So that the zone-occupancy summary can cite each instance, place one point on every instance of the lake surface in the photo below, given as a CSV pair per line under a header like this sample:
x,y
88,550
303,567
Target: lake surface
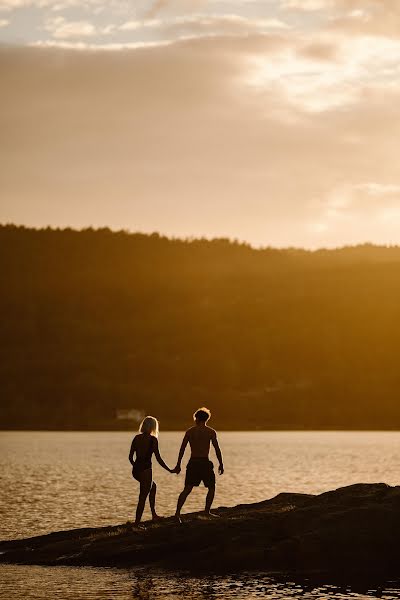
x,y
61,480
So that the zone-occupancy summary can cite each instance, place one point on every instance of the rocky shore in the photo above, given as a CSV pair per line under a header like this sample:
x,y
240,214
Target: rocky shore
x,y
353,530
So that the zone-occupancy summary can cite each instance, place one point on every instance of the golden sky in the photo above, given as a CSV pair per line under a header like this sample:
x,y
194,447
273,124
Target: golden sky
x,y
271,121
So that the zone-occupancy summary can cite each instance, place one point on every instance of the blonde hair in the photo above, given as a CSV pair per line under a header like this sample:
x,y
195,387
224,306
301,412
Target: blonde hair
x,y
149,425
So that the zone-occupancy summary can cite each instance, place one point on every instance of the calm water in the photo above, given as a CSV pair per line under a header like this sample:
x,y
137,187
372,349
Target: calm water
x,y
66,583
51,481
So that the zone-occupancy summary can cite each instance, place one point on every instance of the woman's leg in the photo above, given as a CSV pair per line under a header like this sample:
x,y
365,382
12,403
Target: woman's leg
x,y
145,486
152,500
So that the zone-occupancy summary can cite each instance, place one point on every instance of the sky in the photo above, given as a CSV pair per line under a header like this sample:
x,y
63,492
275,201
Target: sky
x,y
276,122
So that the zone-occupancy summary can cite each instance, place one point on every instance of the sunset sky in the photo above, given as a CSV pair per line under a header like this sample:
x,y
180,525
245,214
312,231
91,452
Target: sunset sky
x,y
271,121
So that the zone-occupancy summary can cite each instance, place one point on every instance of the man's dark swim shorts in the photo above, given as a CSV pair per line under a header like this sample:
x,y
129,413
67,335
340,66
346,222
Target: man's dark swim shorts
x,y
200,470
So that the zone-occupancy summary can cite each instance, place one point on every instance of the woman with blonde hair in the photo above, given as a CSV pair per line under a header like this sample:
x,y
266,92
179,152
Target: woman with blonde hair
x,y
144,445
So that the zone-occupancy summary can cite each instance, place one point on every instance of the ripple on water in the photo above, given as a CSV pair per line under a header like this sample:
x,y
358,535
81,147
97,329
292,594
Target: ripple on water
x,y
83,583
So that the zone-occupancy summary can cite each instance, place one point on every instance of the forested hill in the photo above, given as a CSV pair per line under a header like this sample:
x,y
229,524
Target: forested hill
x,y
95,321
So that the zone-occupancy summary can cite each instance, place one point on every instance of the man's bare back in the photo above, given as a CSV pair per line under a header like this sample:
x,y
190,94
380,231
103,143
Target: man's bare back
x,y
199,438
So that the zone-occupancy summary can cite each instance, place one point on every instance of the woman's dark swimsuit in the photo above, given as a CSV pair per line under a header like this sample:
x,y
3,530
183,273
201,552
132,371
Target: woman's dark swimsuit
x,y
143,463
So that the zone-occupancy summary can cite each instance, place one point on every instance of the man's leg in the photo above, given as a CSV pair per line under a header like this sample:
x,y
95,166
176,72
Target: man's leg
x,y
182,499
209,482
209,499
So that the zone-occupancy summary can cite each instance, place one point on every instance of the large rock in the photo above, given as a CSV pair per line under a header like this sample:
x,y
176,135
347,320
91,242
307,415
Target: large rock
x,y
353,530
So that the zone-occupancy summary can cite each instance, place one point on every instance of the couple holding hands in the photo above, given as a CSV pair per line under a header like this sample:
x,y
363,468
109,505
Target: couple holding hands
x,y
199,468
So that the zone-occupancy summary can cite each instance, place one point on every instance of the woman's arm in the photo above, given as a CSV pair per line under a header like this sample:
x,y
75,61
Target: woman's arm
x,y
158,456
132,450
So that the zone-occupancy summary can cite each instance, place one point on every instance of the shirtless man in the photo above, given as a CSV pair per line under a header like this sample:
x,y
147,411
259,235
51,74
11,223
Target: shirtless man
x,y
199,468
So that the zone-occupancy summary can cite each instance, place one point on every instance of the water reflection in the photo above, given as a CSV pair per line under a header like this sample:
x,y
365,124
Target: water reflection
x,y
66,583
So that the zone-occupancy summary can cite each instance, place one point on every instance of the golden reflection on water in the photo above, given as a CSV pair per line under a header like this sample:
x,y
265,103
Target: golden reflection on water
x,y
83,583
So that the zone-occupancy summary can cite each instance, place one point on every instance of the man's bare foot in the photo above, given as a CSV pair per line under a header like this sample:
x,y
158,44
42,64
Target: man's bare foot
x,y
138,526
210,515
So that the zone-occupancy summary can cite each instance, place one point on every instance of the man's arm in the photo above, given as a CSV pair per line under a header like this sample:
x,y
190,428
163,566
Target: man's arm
x,y
132,450
218,452
185,442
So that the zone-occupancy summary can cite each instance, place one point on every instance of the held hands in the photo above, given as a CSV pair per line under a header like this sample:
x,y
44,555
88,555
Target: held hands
x,y
174,470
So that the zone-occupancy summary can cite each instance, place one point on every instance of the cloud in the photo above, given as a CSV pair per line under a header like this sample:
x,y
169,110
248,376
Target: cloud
x,y
7,5
60,5
209,24
375,204
362,199
372,17
97,47
4,22
306,5
134,25
334,71
379,189
151,32
62,29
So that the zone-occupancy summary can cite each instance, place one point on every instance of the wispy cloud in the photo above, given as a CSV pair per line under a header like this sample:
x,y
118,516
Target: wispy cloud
x,y
375,204
61,5
62,29
213,23
306,5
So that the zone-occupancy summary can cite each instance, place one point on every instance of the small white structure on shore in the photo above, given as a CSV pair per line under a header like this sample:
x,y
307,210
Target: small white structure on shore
x,y
130,414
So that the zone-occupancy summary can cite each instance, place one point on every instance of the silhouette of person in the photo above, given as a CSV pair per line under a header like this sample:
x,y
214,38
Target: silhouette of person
x,y
145,444
199,468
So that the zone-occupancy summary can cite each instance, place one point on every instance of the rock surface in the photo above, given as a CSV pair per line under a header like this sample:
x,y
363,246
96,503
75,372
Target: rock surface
x,y
353,530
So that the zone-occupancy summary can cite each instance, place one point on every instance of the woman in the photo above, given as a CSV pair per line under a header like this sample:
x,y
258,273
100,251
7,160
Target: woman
x,y
145,444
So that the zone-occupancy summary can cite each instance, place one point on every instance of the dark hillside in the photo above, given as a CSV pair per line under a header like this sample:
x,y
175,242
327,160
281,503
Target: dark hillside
x,y
94,321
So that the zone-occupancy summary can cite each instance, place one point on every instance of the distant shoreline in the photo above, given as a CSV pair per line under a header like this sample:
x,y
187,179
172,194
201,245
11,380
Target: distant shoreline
x,y
221,429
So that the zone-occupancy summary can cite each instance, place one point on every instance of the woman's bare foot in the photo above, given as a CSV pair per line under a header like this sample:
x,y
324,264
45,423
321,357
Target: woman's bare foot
x,y
178,519
157,517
